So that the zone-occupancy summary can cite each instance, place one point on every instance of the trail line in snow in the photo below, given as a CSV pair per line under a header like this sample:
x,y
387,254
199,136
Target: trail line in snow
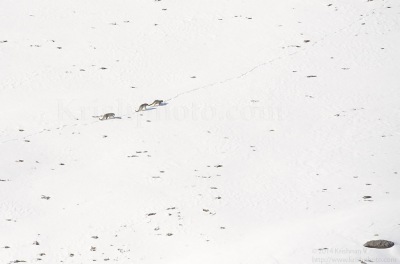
x,y
266,63
364,17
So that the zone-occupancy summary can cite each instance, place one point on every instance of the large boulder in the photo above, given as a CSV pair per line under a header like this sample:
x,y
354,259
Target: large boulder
x,y
379,244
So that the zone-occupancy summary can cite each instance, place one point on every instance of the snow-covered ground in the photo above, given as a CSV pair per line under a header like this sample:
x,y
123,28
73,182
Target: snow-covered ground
x,y
279,139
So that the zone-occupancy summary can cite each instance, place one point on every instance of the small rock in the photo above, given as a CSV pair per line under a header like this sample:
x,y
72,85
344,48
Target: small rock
x,y
379,244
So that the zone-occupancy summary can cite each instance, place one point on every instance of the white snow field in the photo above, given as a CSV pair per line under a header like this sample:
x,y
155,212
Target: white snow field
x,y
279,139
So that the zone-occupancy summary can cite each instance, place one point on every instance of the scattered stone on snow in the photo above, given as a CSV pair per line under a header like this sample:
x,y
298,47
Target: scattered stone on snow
x,y
381,244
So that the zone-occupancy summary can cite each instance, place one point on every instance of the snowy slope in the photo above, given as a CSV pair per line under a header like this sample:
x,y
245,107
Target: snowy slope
x,y
281,119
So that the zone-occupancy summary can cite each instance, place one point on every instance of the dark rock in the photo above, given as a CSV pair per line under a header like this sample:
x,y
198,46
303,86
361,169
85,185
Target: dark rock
x,y
379,244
